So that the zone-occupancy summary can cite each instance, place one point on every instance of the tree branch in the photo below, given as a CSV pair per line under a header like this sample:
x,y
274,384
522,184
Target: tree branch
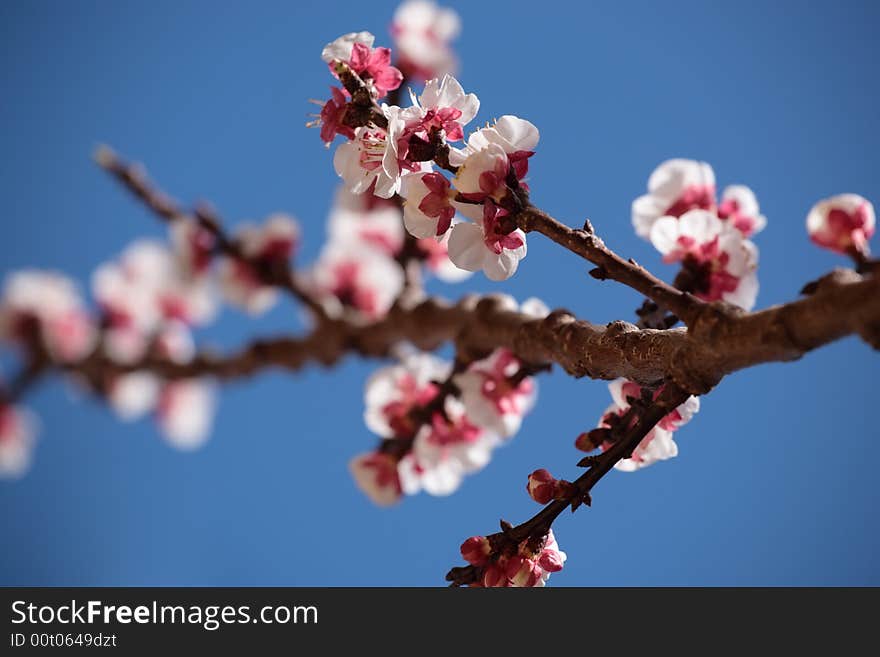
x,y
585,243
718,343
537,527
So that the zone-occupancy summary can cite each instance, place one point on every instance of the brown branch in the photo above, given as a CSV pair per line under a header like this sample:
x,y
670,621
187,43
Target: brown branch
x,y
134,178
585,243
536,527
718,343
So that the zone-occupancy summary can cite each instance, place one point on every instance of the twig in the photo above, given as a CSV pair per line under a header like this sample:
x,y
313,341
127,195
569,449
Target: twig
x,y
537,526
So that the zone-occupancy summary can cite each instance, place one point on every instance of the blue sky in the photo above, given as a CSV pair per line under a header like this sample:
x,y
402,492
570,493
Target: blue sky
x,y
774,484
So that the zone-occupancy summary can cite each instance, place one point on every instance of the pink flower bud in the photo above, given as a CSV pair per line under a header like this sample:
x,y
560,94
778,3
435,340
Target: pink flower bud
x,y
842,223
476,550
550,560
590,440
541,486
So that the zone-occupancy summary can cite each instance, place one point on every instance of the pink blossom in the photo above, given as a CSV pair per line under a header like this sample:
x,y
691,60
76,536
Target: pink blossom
x,y
422,33
374,160
185,412
373,65
739,206
622,390
524,568
194,246
489,155
445,107
356,280
446,449
674,188
375,474
46,305
429,208
17,439
146,285
393,391
722,262
493,398
541,486
488,245
268,246
658,444
842,224
332,115
365,220
476,550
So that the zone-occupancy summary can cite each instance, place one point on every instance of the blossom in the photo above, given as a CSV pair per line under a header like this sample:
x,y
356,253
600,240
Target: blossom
x,y
194,245
373,65
185,412
622,390
372,160
17,440
428,209
147,285
515,137
675,187
392,392
658,444
348,276
494,393
422,33
444,451
488,245
267,248
526,567
445,107
332,116
494,158
375,474
739,206
722,262
133,395
476,550
842,224
46,305
366,220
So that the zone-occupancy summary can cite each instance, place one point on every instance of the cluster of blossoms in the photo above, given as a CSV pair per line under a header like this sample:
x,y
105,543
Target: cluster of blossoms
x,y
359,273
657,445
527,564
391,158
147,300
682,218
437,425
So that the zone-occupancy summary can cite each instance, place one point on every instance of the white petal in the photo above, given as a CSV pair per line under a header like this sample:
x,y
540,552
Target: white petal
x,y
466,247
664,234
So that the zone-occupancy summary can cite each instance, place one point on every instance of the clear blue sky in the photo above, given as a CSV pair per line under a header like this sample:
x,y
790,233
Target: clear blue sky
x,y
775,483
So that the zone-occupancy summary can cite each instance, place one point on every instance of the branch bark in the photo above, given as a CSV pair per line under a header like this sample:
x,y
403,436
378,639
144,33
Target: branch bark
x,y
718,342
